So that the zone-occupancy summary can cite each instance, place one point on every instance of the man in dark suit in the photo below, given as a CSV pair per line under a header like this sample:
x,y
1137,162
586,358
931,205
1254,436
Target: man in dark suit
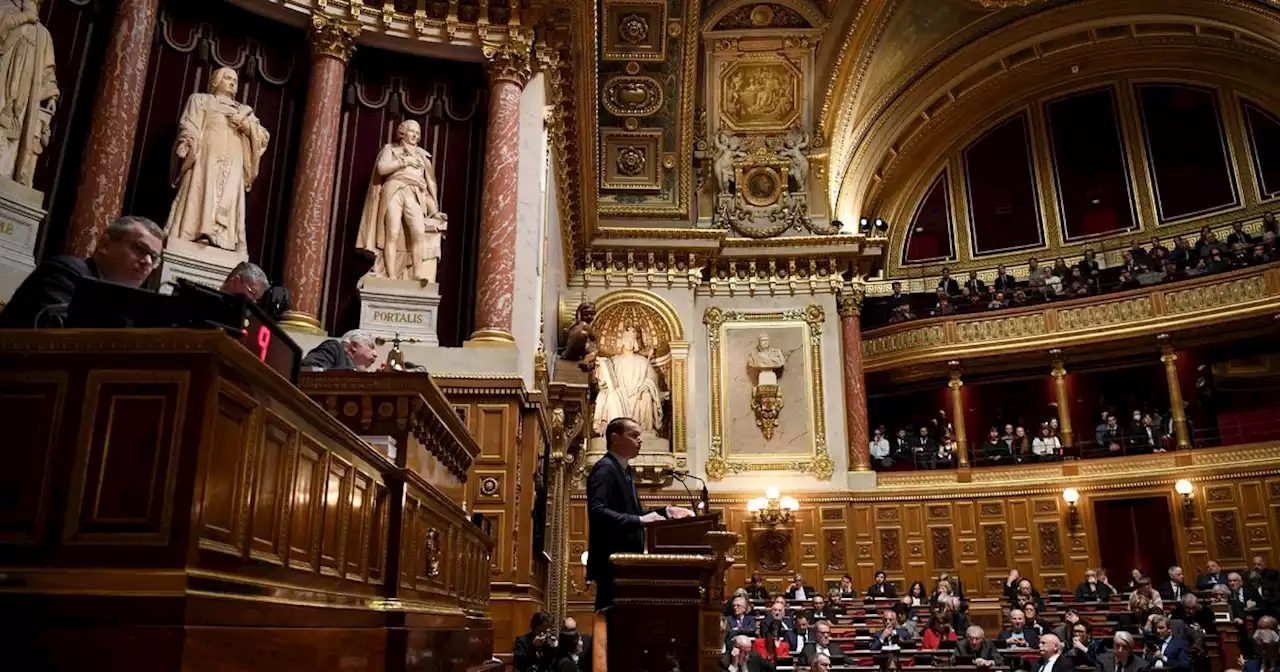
x,y
893,633
740,658
975,645
949,285
778,612
882,589
821,611
740,622
1004,282
1091,589
822,644
1173,589
975,285
798,590
1244,600
615,517
1212,576
1018,635
1051,658
584,656
530,649
1121,658
1169,653
128,251
355,351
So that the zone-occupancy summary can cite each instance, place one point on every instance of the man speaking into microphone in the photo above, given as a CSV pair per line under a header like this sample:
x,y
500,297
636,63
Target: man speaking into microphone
x,y
616,519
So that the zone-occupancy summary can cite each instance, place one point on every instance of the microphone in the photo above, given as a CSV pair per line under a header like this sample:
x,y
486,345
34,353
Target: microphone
x,y
680,475
704,502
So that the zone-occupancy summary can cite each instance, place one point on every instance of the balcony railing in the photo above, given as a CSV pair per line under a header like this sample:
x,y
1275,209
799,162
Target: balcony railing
x,y
1208,301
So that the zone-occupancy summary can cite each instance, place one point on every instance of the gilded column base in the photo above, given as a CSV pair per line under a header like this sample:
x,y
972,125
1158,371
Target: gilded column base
x,y
302,322
489,338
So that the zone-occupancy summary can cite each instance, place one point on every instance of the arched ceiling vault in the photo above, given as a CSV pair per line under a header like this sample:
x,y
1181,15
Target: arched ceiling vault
x,y
897,79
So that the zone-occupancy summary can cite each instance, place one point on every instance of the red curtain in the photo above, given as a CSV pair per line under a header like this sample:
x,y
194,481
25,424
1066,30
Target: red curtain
x,y
1138,533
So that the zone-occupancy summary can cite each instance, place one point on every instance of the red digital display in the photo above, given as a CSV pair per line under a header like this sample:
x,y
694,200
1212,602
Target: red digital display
x,y
270,346
264,341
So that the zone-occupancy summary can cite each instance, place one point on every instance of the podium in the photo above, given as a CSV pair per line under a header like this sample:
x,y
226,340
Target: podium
x,y
666,613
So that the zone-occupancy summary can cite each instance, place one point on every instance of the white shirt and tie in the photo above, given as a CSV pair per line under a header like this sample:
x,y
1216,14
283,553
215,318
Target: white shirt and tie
x,y
1164,646
1048,664
799,593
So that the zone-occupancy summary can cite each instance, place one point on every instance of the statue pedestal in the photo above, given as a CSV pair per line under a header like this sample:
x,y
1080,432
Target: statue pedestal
x,y
198,262
20,217
409,307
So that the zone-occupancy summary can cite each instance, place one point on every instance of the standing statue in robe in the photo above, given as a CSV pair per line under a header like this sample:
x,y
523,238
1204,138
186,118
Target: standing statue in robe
x,y
29,94
629,386
402,225
220,142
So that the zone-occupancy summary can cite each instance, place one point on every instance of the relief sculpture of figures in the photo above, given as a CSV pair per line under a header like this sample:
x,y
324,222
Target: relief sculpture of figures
x,y
220,142
728,150
30,94
629,386
792,148
402,225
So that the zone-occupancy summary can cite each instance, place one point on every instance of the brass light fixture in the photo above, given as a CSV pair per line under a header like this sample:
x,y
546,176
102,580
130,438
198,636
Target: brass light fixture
x,y
773,509
1071,496
1184,488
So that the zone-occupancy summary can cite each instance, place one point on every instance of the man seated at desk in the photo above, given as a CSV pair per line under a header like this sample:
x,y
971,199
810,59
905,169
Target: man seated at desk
x,y
823,645
128,251
353,352
248,280
1019,635
975,645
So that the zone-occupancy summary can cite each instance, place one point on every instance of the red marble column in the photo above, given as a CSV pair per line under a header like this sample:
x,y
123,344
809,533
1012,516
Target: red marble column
x,y
855,391
508,73
332,43
104,170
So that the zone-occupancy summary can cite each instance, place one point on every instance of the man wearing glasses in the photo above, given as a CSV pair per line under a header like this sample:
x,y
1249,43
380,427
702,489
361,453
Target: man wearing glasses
x,y
128,251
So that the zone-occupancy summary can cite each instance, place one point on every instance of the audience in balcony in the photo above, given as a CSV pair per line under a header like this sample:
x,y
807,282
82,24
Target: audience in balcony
x,y
977,288
1046,446
881,588
880,448
947,285
1091,589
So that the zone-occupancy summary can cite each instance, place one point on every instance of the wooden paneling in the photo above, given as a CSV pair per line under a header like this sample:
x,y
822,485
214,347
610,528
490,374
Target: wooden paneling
x,y
268,508
31,414
308,489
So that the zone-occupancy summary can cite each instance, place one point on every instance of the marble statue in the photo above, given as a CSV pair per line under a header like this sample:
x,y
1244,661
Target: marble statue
x,y
220,142
728,150
792,149
29,96
402,225
580,343
766,361
628,385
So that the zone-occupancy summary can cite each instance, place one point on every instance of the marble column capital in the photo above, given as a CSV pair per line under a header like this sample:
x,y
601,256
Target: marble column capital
x,y
509,61
333,37
849,301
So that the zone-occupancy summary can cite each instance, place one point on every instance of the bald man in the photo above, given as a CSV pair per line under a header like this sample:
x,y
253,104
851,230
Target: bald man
x,y
1051,658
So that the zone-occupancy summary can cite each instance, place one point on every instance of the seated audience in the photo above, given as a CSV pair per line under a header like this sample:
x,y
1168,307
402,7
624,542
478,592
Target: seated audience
x,y
127,252
975,645
798,590
1112,439
1127,281
1192,611
1032,615
923,446
1092,590
1238,235
742,658
1019,298
567,652
1082,649
998,301
937,632
947,286
881,589
975,285
771,645
1173,589
1015,577
786,627
533,650
804,633
943,306
996,449
847,591
1244,600
1121,657
906,618
880,450
756,589
915,595
957,588
583,654
1046,446
1166,651
821,611
353,352
741,622
1144,602
941,591
897,298
823,645
1027,594
1018,636
820,663
892,635
1266,652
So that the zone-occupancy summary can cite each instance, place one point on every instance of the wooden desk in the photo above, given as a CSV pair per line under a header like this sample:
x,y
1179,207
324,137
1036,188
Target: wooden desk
x,y
169,503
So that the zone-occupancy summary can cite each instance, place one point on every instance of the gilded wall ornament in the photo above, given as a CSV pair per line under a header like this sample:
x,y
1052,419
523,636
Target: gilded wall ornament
x,y
633,29
761,96
632,96
433,552
631,161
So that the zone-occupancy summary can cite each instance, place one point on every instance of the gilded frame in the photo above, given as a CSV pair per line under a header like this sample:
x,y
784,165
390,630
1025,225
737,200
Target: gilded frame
x,y
720,458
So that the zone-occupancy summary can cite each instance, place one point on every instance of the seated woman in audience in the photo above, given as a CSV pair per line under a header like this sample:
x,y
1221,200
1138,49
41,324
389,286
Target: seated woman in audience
x,y
998,301
1060,269
888,663
1144,602
1046,446
941,591
1021,444
938,631
907,618
1019,298
916,595
946,451
771,644
1217,263
1034,622
1077,285
1135,578
995,449
1259,255
1092,589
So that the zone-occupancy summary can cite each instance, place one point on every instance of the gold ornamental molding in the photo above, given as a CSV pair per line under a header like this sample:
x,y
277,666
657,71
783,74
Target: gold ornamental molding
x,y
334,37
509,61
438,29
1208,302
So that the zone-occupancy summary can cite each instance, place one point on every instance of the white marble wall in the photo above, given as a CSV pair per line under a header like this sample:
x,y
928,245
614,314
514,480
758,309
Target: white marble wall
x,y
553,272
530,226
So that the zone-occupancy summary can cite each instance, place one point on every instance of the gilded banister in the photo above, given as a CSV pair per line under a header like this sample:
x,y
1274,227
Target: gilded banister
x,y
570,414
1203,302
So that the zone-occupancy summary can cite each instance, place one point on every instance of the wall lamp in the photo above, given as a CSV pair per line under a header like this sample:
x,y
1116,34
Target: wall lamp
x,y
773,509
1071,496
1184,488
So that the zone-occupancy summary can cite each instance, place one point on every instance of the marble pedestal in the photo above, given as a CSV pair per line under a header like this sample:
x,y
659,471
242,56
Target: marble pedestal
x,y
20,217
198,262
409,307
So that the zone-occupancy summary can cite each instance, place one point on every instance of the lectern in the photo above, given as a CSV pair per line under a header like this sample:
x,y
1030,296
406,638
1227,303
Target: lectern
x,y
666,612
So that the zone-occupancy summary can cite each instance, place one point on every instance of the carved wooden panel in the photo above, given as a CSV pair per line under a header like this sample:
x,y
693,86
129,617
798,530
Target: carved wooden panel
x,y
991,510
834,545
940,542
377,539
360,521
1050,545
1226,535
492,432
887,514
225,469
832,514
1046,507
772,550
269,507
939,512
994,545
126,458
31,415
308,497
890,550
1221,494
410,534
